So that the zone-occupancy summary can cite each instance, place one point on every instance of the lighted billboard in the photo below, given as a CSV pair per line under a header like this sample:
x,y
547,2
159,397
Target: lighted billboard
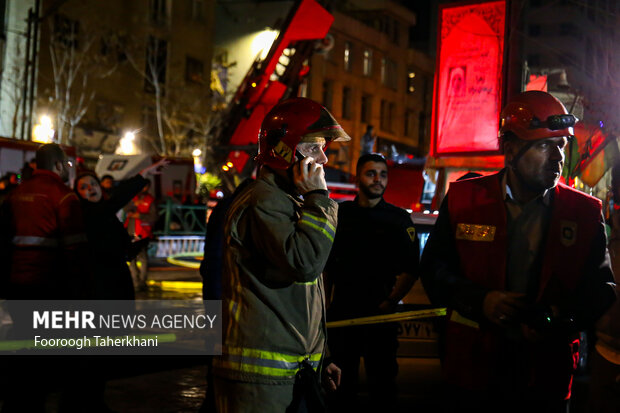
x,y
468,84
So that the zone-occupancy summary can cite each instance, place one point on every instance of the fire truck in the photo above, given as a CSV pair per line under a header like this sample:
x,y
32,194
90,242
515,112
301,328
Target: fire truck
x,y
15,153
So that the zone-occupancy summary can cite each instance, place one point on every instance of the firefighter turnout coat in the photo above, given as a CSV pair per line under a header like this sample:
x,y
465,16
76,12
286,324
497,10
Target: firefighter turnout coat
x,y
273,298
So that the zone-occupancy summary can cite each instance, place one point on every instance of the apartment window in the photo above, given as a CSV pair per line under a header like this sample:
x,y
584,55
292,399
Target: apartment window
x,y
388,72
367,62
533,60
569,29
328,94
591,10
366,109
114,45
395,34
570,59
347,97
410,123
387,115
589,56
194,70
198,10
158,11
66,31
155,63
149,120
421,129
348,50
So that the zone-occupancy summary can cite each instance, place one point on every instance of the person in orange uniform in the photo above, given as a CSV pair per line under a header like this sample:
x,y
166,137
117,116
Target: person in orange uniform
x,y
520,261
46,232
48,260
141,215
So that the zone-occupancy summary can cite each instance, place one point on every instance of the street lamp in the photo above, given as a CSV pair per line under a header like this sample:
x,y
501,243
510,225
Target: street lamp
x,y
198,166
43,132
262,42
127,146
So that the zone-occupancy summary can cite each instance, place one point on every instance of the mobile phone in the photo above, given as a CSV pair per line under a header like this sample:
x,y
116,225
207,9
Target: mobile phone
x,y
300,158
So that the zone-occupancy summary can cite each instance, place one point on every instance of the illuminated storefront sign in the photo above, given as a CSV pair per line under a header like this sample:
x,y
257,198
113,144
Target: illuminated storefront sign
x,y
468,87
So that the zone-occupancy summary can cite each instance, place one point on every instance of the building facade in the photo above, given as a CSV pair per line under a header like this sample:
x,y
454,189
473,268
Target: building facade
x,y
107,68
368,75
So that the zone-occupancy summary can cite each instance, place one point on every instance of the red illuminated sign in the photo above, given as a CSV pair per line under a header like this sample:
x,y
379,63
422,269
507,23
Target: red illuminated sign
x,y
468,84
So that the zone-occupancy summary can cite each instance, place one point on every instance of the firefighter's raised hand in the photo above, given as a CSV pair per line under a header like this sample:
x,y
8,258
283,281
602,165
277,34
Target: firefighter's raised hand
x,y
308,176
156,168
331,377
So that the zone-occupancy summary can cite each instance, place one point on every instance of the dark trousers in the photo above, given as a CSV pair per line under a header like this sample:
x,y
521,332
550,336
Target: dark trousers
x,y
604,385
377,344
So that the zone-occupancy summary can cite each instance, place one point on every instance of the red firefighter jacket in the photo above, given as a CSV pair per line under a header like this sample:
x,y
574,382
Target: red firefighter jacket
x,y
478,226
48,240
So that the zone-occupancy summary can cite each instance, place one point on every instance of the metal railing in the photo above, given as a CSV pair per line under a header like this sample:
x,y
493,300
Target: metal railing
x,y
179,244
181,219
180,229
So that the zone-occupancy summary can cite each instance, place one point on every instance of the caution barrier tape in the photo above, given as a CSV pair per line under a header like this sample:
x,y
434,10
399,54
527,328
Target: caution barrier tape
x,y
389,318
176,285
173,259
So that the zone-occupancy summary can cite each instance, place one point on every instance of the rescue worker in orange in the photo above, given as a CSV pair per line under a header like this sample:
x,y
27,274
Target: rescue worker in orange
x,y
42,219
279,231
141,214
49,245
520,261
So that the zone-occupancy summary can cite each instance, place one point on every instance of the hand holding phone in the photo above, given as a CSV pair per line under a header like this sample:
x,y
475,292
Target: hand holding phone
x,y
308,175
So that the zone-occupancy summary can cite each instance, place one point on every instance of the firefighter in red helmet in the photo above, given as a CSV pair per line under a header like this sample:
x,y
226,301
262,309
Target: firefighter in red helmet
x,y
280,229
520,261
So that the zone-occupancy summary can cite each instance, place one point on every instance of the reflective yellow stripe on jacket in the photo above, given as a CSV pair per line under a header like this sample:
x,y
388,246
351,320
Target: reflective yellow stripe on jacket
x,y
319,224
266,363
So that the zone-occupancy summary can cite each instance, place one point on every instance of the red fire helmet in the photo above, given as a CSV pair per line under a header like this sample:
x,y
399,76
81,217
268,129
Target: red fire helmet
x,y
290,122
534,115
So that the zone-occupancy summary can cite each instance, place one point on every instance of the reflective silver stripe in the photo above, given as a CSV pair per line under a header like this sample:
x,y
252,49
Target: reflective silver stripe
x,y
25,240
74,239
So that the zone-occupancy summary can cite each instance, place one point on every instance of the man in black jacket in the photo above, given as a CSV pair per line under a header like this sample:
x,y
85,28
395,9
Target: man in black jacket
x,y
372,266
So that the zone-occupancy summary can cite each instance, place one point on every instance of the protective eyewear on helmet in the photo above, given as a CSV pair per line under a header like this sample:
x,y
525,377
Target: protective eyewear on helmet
x,y
554,122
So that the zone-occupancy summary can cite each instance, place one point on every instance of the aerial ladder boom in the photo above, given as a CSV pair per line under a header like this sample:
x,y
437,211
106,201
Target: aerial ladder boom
x,y
268,81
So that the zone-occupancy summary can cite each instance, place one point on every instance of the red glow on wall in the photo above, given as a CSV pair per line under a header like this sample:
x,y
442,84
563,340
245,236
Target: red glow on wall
x,y
468,86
